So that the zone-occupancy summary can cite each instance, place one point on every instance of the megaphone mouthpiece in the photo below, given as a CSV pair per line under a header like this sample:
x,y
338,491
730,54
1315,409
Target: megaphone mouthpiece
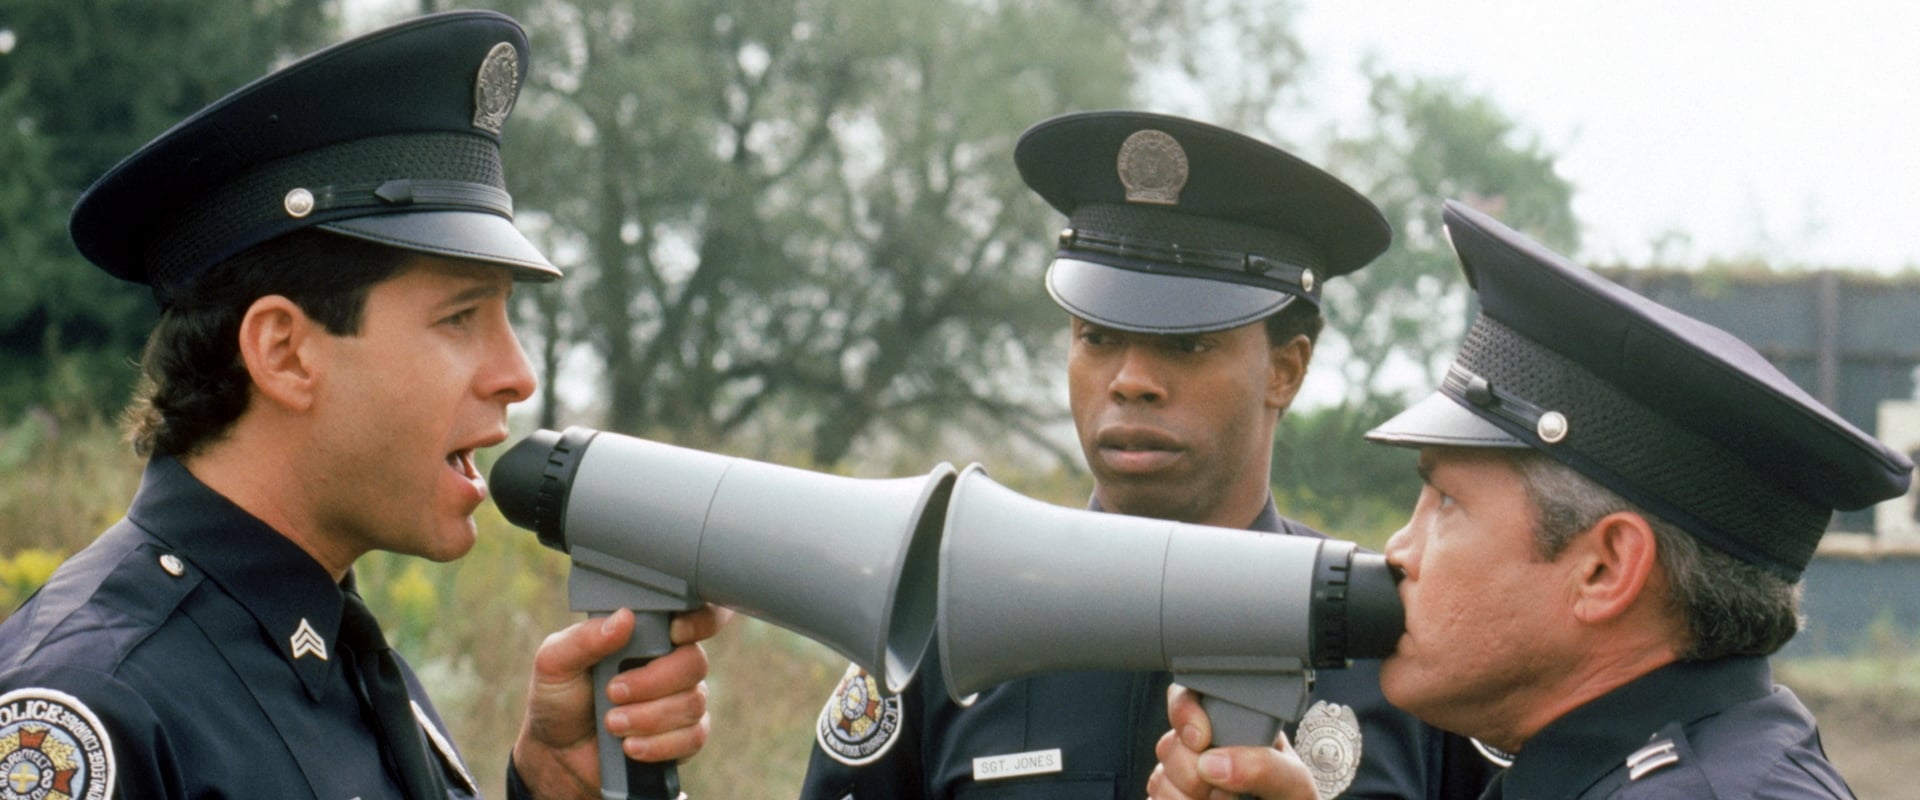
x,y
530,482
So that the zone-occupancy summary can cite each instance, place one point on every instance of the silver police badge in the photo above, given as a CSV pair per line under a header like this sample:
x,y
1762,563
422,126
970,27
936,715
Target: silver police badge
x,y
859,723
496,87
1328,741
1153,167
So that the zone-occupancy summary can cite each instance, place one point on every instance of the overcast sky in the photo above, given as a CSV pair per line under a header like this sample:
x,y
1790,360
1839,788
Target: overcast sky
x,y
1789,130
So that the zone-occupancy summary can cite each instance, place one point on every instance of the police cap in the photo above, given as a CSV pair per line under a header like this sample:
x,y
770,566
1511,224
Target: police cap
x,y
391,137
1177,226
1675,415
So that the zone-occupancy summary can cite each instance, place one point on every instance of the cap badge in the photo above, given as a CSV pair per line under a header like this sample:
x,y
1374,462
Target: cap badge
x,y
1153,167
496,87
1328,740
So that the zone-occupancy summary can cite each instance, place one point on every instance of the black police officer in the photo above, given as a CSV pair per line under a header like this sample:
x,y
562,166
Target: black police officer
x,y
1619,501
333,250
1191,266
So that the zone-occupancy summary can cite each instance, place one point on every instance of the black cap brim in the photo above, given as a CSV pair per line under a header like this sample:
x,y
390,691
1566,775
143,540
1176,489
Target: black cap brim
x,y
469,235
1143,302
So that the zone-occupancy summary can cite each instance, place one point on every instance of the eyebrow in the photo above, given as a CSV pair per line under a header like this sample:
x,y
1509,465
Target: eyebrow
x,y
478,291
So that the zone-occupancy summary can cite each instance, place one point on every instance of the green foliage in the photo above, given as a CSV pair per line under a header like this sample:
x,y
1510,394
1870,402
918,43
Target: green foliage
x,y
1325,475
85,85
804,219
23,573
1394,325
63,482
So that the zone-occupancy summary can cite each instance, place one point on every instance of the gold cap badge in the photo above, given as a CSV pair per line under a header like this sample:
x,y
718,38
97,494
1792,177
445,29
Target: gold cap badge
x,y
1153,167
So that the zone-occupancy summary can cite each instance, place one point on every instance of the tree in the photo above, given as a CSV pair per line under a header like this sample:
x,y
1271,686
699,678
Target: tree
x,y
1394,325
85,84
806,216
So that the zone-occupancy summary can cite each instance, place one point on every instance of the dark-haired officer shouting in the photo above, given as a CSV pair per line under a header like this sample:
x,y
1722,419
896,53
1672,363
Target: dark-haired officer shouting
x,y
333,250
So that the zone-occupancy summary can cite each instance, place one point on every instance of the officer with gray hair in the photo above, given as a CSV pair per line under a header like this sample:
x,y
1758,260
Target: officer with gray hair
x,y
1619,501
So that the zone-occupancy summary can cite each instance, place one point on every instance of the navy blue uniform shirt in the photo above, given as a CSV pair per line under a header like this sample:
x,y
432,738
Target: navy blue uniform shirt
x,y
1104,726
1692,729
189,652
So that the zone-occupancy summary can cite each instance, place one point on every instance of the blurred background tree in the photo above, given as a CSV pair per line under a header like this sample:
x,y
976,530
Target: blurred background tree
x,y
81,86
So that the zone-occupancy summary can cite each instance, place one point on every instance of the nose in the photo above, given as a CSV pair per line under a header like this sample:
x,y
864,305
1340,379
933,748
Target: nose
x,y
1401,557
509,375
1137,379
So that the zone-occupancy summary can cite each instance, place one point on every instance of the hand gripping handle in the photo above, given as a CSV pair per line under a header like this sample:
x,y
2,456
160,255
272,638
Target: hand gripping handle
x,y
622,778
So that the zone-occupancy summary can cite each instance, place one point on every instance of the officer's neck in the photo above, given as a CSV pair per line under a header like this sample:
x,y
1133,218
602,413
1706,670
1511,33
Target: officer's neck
x,y
260,470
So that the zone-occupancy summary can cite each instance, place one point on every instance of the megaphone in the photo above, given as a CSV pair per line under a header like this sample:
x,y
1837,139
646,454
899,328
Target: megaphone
x,y
656,528
1240,616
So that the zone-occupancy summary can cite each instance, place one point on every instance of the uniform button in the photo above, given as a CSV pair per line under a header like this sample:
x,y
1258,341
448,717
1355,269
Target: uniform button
x,y
298,203
1552,427
172,564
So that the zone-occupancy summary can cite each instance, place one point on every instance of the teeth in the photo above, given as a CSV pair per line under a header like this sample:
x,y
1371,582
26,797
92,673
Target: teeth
x,y
462,462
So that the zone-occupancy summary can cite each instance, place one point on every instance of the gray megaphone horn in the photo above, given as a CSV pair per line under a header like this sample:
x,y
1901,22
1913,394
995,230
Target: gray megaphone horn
x,y
656,528
1240,616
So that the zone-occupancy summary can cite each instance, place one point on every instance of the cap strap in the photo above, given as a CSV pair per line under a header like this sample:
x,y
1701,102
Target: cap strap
x,y
1168,258
440,194
1550,426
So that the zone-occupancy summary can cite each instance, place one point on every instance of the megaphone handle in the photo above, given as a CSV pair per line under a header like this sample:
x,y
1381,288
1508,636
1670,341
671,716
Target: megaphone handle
x,y
1235,725
622,778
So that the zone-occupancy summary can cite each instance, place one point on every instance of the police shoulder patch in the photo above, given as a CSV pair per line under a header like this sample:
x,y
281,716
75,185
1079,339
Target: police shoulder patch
x,y
52,747
859,723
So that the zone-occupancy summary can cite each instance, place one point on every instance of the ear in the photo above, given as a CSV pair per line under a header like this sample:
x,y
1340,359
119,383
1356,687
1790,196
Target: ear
x,y
276,344
1613,562
1286,368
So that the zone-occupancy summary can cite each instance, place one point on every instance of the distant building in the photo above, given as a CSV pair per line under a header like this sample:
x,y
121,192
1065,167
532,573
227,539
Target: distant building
x,y
1852,340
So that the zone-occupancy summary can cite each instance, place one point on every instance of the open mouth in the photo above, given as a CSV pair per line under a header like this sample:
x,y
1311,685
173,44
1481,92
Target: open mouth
x,y
461,461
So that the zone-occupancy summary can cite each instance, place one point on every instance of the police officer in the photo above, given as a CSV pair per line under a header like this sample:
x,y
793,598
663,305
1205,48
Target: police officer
x,y
333,251
1191,266
1619,501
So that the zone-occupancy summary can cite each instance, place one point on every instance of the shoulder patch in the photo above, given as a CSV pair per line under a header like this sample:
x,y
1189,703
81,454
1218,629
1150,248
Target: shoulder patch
x,y
52,747
859,723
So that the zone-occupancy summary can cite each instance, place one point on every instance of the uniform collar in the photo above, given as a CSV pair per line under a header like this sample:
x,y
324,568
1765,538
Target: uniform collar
x,y
1587,743
289,594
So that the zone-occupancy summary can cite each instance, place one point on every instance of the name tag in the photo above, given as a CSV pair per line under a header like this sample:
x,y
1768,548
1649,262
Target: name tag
x,y
1038,762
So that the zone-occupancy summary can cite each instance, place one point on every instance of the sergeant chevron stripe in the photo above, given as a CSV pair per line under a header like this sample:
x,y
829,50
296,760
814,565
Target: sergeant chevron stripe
x,y
305,641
